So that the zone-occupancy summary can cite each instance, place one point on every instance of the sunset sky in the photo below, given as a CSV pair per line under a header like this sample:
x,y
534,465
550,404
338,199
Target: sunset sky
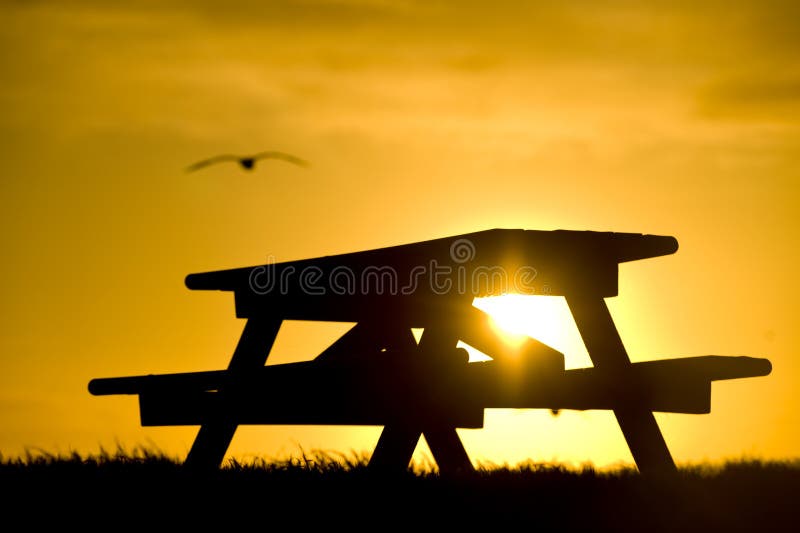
x,y
420,120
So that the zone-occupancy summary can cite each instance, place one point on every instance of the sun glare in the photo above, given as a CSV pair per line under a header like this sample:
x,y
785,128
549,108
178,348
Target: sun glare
x,y
545,318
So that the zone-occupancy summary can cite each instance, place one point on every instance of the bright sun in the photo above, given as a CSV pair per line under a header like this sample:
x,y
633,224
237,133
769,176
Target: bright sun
x,y
545,318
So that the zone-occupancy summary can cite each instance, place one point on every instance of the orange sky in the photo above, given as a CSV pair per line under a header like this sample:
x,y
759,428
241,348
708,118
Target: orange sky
x,y
420,120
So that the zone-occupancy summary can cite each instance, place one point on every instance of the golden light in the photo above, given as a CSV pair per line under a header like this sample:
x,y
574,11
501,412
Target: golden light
x,y
508,433
545,318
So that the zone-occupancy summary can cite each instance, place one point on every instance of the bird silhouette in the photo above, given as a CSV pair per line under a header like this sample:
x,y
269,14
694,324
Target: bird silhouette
x,y
247,162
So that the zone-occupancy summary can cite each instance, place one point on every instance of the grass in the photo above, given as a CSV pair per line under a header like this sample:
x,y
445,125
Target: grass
x,y
139,487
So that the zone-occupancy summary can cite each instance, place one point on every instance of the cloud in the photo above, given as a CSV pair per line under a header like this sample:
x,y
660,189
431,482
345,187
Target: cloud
x,y
770,97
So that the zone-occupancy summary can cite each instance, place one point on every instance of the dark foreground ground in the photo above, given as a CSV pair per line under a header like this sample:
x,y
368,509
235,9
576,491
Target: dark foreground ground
x,y
143,490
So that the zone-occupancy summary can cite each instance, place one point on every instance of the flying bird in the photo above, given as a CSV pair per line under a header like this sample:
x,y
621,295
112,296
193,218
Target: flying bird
x,y
247,162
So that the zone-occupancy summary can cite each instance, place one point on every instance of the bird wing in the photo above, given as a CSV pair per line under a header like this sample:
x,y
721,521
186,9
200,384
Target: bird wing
x,y
282,156
210,161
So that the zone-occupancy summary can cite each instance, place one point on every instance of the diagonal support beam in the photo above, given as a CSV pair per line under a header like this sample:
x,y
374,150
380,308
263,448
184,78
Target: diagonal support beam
x,y
365,339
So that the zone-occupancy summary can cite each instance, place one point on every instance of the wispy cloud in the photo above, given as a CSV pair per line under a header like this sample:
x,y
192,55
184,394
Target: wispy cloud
x,y
768,97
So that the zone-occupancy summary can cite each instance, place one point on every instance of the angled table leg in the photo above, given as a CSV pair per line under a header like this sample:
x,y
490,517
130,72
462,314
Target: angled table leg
x,y
396,444
251,352
448,450
439,341
395,448
607,352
